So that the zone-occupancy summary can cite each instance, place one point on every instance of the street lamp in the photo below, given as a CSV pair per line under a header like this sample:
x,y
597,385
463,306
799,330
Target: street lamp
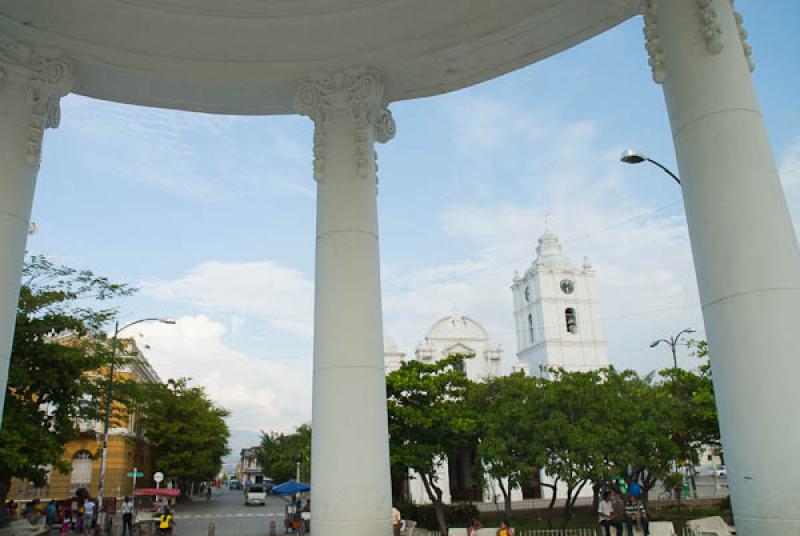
x,y
107,421
672,342
632,157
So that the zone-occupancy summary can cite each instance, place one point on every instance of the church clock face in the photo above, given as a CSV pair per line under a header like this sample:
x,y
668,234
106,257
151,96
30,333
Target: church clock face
x,y
527,294
567,286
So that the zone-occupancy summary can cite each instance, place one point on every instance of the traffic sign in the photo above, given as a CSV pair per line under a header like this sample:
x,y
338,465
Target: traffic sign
x,y
158,477
138,474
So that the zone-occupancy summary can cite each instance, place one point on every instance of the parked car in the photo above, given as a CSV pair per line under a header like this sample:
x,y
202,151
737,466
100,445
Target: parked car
x,y
269,484
233,483
255,494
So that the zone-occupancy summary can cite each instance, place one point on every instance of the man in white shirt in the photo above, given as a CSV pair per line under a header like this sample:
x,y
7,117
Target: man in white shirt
x,y
605,515
127,516
88,515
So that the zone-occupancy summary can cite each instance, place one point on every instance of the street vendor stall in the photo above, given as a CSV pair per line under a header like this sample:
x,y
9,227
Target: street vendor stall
x,y
297,519
146,518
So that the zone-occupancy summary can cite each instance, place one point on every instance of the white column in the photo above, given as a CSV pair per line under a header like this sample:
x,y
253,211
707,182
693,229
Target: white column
x,y
30,88
350,483
745,252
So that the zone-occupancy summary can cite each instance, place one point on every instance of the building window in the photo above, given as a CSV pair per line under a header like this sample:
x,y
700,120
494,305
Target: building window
x,y
530,328
81,476
572,320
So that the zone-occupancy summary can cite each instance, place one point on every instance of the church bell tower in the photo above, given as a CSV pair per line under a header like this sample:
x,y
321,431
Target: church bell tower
x,y
557,314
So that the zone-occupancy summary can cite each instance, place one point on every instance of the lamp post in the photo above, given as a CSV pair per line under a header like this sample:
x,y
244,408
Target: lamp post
x,y
672,342
107,420
632,157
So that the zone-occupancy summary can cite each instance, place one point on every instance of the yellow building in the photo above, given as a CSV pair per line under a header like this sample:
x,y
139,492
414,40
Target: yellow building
x,y
127,447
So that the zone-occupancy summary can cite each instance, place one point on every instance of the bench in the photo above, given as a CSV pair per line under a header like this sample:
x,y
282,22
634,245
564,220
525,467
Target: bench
x,y
709,526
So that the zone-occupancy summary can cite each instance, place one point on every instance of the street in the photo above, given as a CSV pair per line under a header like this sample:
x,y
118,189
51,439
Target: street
x,y
230,516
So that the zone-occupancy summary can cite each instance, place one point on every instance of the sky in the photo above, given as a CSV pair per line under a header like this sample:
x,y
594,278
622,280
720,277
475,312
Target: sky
x,y
212,217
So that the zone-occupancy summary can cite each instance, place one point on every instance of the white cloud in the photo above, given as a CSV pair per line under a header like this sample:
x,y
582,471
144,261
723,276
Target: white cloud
x,y
261,392
281,296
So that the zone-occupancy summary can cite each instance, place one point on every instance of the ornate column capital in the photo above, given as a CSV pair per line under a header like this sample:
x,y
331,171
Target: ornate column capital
x,y
711,30
358,92
746,48
652,40
45,77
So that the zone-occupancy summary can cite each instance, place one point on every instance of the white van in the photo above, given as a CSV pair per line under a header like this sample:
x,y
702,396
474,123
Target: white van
x,y
255,494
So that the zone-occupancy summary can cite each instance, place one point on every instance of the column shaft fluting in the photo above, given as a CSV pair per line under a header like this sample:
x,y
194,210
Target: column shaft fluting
x,y
350,482
745,252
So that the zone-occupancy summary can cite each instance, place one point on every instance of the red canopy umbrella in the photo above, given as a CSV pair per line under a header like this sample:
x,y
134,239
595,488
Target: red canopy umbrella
x,y
164,492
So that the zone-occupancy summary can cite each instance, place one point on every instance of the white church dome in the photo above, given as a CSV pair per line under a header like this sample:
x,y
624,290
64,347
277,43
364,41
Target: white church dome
x,y
457,327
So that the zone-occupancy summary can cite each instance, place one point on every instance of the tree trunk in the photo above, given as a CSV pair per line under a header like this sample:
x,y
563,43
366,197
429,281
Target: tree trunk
x,y
506,499
595,496
435,495
647,485
567,508
549,514
572,497
5,487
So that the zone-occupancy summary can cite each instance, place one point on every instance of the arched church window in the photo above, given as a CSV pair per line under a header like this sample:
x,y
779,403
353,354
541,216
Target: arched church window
x,y
530,328
81,476
572,320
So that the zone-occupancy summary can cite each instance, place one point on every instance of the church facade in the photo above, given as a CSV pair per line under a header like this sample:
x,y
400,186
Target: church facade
x,y
557,323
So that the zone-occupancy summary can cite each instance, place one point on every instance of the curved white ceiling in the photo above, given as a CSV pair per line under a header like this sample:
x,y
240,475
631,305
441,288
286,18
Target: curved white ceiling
x,y
243,56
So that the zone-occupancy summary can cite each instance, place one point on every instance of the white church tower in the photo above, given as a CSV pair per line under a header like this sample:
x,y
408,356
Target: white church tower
x,y
557,314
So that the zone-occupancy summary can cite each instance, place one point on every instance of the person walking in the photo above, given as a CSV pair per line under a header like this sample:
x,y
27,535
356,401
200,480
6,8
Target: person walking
x,y
88,515
606,515
127,516
50,513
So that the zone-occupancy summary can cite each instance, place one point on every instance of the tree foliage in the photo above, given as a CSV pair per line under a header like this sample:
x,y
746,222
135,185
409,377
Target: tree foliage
x,y
187,429
279,454
57,343
510,413
429,420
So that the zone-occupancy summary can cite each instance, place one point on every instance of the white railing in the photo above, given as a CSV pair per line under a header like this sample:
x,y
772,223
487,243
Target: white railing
x,y
527,532
557,532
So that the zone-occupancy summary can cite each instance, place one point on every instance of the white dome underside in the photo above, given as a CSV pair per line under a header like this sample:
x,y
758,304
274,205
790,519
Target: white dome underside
x,y
245,56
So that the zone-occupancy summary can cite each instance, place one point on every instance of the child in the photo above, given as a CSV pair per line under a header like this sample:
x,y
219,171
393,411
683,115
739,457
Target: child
x,y
66,522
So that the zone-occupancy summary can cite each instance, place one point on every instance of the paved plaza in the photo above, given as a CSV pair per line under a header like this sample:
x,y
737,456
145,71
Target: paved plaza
x,y
230,516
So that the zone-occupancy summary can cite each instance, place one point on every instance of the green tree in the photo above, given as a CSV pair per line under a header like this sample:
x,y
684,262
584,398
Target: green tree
x,y
642,423
429,420
187,430
509,411
279,453
57,341
575,433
